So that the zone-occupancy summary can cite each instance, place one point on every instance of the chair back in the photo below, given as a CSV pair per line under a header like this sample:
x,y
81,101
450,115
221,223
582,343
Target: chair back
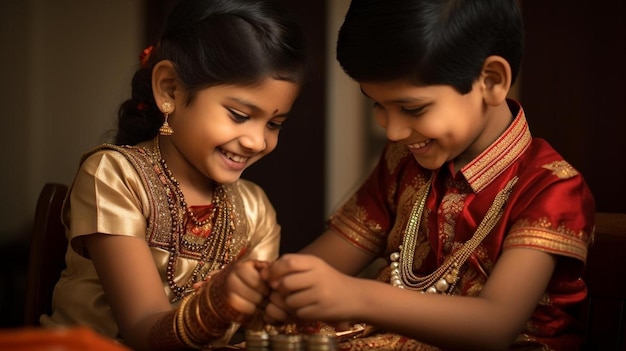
x,y
47,252
605,310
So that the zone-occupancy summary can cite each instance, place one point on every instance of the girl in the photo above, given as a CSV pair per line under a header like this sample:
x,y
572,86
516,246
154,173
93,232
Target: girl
x,y
484,229
155,216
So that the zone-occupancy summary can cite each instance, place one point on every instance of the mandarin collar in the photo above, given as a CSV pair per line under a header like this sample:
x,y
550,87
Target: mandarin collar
x,y
501,154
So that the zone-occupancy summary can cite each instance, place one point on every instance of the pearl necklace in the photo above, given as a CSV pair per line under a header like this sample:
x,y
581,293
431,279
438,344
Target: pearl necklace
x,y
214,250
444,278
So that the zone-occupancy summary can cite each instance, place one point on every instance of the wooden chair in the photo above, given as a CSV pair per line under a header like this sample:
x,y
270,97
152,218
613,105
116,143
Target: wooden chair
x,y
47,252
605,310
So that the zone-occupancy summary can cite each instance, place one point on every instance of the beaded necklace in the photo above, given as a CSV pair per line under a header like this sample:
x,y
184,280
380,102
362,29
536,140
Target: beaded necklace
x,y
213,250
444,278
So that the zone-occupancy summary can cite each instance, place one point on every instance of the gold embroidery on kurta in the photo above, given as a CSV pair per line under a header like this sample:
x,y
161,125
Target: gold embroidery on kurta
x,y
495,159
352,222
561,169
546,236
451,205
395,152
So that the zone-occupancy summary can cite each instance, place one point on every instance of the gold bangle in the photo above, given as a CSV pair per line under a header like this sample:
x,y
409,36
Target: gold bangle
x,y
175,328
199,316
211,308
163,335
180,324
195,335
216,296
199,329
217,325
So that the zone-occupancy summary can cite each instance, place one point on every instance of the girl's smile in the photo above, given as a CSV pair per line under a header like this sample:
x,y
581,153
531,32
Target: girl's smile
x,y
226,128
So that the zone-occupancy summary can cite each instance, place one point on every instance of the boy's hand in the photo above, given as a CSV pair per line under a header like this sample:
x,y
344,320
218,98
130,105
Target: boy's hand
x,y
306,287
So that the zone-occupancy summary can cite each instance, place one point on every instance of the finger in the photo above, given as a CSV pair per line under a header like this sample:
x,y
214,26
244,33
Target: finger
x,y
274,314
294,282
246,291
278,300
241,304
287,264
260,265
252,279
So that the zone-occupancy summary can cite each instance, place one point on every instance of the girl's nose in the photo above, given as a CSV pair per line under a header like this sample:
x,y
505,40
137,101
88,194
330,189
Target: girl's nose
x,y
254,141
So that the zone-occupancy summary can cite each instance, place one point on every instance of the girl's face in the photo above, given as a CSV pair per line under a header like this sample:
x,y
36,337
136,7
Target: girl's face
x,y
226,129
436,123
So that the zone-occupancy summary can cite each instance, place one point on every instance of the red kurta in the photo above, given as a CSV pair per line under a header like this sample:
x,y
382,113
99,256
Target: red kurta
x,y
550,209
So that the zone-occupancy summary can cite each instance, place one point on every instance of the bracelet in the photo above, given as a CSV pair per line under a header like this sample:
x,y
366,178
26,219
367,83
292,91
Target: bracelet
x,y
195,335
201,320
180,324
163,335
209,305
217,300
200,323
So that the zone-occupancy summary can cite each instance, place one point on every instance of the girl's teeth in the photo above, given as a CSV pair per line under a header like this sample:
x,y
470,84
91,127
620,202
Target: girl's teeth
x,y
235,157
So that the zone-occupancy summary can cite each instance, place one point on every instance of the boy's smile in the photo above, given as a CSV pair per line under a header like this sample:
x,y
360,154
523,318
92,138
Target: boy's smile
x,y
436,123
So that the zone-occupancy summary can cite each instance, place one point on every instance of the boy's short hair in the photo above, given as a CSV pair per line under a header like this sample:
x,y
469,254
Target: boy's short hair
x,y
429,42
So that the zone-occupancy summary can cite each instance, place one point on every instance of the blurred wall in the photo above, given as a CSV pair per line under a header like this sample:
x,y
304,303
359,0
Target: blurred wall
x,y
347,120
65,67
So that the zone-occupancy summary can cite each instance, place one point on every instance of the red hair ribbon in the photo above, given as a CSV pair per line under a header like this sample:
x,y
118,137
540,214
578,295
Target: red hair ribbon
x,y
145,56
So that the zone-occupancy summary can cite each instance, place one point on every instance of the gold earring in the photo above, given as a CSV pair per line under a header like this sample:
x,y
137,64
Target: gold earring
x,y
165,128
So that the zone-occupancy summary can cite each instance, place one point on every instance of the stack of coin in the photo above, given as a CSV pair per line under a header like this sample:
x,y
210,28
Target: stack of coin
x,y
286,342
257,340
321,342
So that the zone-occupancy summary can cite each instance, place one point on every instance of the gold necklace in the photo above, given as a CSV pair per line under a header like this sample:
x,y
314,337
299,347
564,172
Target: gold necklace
x,y
444,278
214,250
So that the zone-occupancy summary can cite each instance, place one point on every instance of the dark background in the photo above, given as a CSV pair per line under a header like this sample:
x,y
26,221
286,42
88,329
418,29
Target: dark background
x,y
573,87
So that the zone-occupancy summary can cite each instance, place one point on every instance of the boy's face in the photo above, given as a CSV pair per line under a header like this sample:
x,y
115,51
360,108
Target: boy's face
x,y
436,123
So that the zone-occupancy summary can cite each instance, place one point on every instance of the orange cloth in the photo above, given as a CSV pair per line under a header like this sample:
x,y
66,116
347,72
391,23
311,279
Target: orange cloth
x,y
48,339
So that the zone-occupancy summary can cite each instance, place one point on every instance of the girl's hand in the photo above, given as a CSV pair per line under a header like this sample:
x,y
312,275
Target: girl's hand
x,y
308,288
277,311
200,284
238,291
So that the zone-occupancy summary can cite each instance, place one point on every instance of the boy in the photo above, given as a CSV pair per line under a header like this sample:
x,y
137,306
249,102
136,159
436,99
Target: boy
x,y
485,228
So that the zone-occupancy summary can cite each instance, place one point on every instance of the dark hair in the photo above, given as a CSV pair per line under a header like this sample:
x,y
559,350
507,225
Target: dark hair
x,y
214,42
429,42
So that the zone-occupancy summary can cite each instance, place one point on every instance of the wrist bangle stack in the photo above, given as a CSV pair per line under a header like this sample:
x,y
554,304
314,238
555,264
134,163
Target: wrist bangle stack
x,y
207,321
182,328
164,334
201,317
217,299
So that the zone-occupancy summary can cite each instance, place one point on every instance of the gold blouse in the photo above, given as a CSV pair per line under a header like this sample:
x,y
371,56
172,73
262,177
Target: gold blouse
x,y
117,191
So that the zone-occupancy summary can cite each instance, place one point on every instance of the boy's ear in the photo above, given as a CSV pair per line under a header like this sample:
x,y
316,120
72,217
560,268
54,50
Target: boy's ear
x,y
495,80
164,84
